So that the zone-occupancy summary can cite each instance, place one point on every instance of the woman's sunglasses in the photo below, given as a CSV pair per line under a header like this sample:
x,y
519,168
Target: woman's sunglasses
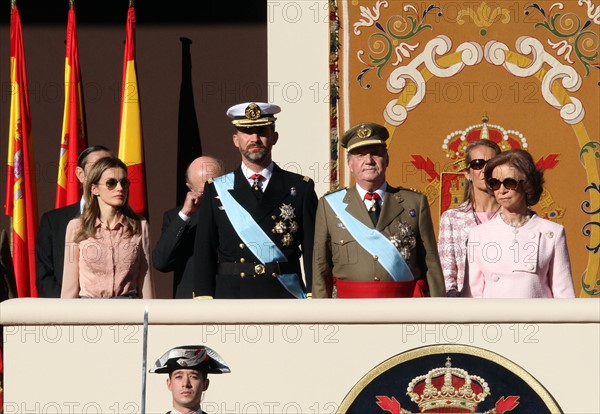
x,y
111,183
477,164
509,183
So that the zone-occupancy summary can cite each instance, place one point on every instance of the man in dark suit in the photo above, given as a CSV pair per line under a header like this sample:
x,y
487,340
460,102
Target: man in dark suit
x,y
256,222
173,251
374,240
188,368
50,242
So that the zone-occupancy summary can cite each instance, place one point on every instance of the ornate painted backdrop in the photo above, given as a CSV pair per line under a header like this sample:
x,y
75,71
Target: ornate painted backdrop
x,y
439,74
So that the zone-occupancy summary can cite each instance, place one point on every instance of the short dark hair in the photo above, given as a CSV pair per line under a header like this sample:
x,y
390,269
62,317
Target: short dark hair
x,y
204,374
523,162
82,159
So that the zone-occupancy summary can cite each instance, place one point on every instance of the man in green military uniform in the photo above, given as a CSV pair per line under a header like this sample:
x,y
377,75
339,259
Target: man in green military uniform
x,y
374,240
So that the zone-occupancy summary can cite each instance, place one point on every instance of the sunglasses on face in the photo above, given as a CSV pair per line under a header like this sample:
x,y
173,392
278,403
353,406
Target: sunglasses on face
x,y
111,183
477,164
509,183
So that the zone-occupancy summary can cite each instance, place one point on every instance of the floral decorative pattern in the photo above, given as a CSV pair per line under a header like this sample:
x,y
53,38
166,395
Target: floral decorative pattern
x,y
334,87
587,231
575,34
370,16
388,41
484,16
593,147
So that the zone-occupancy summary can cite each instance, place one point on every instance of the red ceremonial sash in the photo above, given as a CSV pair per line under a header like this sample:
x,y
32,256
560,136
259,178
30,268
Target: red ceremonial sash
x,y
389,289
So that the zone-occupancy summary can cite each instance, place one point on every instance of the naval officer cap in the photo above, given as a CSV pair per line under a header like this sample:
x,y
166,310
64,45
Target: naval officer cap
x,y
364,134
196,357
253,114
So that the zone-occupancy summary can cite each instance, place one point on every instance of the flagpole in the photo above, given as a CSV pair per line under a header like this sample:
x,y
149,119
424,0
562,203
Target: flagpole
x,y
144,359
13,4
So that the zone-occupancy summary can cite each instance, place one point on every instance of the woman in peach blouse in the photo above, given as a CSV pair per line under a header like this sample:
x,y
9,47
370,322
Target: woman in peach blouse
x,y
107,252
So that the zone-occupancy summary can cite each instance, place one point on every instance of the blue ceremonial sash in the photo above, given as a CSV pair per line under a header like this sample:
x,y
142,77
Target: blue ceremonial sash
x,y
371,240
252,235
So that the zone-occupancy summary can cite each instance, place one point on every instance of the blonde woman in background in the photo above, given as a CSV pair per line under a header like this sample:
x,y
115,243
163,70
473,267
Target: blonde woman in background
x,y
478,206
107,252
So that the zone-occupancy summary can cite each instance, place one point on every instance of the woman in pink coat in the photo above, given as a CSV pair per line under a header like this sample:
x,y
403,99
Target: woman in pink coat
x,y
517,254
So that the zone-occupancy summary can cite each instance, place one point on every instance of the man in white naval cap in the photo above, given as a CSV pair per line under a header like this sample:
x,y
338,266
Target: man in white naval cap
x,y
188,368
257,221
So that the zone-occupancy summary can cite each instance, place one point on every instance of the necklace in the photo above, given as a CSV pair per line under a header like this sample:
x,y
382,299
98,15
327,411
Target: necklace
x,y
518,223
516,226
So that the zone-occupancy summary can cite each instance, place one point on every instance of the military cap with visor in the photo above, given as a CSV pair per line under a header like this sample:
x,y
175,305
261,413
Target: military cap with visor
x,y
253,114
365,134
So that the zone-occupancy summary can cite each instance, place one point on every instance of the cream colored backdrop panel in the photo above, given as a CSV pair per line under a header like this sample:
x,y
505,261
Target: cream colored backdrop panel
x,y
285,356
298,39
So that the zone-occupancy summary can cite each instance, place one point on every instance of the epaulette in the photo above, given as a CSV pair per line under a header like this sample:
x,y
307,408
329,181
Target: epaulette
x,y
411,189
306,178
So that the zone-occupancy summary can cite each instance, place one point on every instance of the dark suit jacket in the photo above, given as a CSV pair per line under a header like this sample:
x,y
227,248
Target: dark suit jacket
x,y
174,250
338,254
218,242
50,249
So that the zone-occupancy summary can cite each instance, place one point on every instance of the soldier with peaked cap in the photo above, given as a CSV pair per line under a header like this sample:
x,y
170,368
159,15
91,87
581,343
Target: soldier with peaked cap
x,y
188,368
374,240
256,223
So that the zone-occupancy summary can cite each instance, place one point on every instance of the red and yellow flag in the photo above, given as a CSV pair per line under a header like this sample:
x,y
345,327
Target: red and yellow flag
x,y
21,202
131,144
74,138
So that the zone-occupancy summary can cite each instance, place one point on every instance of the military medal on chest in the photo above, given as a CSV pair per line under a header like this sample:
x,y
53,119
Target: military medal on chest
x,y
404,239
285,224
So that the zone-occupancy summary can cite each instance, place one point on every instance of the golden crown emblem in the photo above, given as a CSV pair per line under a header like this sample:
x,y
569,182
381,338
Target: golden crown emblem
x,y
448,389
456,142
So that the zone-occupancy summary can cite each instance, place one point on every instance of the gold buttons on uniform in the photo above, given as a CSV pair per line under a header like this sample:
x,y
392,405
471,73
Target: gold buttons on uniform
x,y
274,274
274,217
242,245
242,260
375,258
342,241
376,279
242,274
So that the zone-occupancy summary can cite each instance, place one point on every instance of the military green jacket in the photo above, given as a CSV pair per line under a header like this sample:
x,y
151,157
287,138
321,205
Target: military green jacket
x,y
337,253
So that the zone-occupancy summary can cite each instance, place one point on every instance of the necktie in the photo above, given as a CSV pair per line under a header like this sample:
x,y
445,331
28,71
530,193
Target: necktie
x,y
255,184
375,208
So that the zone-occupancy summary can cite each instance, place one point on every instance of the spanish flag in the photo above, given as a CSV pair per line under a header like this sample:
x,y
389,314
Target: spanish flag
x,y
74,139
21,202
131,144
